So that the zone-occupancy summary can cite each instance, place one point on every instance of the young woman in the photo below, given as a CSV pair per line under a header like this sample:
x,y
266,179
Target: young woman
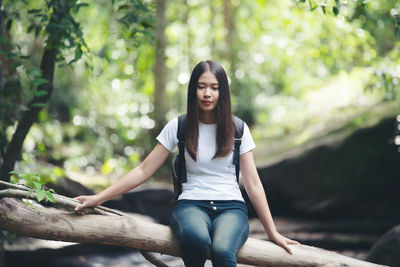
x,y
210,213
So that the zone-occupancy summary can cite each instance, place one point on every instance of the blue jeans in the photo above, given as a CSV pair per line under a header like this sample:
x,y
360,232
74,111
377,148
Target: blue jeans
x,y
200,225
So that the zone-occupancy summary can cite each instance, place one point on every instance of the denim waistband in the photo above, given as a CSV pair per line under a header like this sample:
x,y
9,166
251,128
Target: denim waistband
x,y
215,201
210,204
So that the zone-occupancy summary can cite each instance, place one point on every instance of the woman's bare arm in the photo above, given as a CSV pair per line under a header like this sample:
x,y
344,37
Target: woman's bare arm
x,y
258,198
132,179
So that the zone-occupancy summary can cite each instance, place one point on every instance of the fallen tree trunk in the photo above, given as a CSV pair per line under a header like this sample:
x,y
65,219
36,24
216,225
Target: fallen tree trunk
x,y
49,223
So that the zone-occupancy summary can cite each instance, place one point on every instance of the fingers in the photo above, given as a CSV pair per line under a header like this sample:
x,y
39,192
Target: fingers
x,y
79,207
87,201
286,247
285,242
293,242
80,198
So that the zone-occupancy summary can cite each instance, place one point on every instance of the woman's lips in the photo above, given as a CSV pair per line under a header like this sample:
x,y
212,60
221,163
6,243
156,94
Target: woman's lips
x,y
206,103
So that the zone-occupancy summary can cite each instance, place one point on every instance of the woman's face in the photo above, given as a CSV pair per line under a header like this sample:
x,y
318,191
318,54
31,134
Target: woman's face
x,y
207,92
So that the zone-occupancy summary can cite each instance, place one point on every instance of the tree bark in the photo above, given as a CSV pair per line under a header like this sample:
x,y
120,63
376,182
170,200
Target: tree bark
x,y
19,218
230,37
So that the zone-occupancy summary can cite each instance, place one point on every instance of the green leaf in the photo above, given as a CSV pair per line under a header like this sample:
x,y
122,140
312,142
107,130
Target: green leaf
x,y
129,19
38,105
313,5
30,192
50,196
40,195
35,177
123,7
40,93
335,10
13,180
27,180
78,6
78,52
37,185
34,11
53,27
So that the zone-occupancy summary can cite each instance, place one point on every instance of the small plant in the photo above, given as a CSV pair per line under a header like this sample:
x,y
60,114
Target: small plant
x,y
35,183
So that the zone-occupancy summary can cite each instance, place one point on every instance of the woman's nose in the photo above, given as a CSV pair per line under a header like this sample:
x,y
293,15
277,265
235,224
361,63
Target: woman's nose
x,y
206,92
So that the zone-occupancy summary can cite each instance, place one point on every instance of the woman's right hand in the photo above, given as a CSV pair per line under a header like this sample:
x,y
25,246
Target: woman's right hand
x,y
87,201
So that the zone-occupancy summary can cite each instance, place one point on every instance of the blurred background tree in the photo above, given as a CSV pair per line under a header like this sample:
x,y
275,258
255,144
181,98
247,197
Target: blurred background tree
x,y
296,68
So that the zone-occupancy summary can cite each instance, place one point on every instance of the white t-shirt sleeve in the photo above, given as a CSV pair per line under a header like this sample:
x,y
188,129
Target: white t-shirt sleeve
x,y
247,140
167,136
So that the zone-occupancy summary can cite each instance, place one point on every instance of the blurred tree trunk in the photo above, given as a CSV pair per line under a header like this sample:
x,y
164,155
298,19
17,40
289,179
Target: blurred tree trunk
x,y
230,37
244,107
160,69
212,35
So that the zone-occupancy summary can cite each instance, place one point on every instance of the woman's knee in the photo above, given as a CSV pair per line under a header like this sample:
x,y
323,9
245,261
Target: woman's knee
x,y
223,255
194,247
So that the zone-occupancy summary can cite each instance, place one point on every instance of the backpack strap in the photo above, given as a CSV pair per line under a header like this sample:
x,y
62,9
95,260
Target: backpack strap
x,y
181,146
238,126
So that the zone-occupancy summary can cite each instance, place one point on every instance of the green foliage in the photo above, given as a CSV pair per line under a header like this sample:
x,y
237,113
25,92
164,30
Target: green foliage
x,y
99,114
65,31
21,76
36,183
138,19
370,14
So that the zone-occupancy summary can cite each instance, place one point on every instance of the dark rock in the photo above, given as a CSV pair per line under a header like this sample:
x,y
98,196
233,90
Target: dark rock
x,y
151,202
69,188
356,177
387,250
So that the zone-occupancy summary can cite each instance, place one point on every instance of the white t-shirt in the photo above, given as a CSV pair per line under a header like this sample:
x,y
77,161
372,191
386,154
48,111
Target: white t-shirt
x,y
207,178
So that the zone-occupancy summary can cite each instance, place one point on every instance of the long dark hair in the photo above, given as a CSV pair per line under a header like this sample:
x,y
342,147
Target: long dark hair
x,y
223,111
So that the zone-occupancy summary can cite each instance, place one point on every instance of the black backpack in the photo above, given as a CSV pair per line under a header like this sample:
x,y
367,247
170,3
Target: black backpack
x,y
179,166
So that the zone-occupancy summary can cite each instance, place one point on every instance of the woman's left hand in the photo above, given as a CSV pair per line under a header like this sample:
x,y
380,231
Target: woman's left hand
x,y
282,241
